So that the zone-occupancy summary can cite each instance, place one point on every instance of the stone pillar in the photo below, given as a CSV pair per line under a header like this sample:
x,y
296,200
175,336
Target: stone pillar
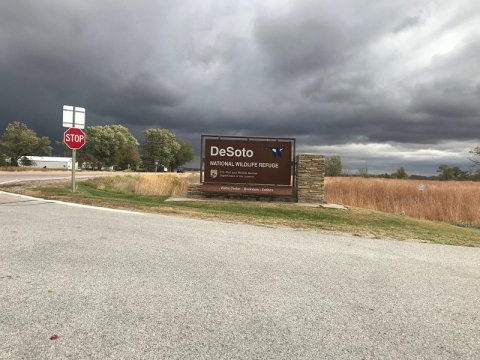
x,y
310,178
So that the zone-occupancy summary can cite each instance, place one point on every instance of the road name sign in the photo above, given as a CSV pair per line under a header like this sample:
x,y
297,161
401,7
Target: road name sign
x,y
73,117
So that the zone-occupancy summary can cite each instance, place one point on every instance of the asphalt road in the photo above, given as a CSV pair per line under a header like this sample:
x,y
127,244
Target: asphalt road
x,y
120,285
20,176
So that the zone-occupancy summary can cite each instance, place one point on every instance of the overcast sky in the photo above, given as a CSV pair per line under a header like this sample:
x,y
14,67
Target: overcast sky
x,y
384,83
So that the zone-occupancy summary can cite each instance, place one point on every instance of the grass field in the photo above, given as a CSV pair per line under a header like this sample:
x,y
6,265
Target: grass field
x,y
456,202
148,192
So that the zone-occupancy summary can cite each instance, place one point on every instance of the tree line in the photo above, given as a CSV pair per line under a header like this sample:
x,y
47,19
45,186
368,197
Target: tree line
x,y
114,145
444,172
106,146
333,167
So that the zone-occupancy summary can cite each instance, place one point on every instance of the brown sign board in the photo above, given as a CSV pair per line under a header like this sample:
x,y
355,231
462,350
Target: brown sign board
x,y
252,161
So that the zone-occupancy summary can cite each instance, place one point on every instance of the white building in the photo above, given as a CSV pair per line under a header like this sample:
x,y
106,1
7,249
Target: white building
x,y
50,162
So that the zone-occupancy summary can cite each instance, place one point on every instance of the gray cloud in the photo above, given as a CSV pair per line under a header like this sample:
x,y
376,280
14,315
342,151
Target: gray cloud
x,y
407,23
330,73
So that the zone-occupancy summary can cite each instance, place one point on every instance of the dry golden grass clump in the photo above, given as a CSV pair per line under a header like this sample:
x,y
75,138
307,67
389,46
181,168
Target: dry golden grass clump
x,y
160,184
449,201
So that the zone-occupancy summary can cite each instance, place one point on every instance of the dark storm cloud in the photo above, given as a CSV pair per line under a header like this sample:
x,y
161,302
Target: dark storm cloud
x,y
328,72
353,89
453,92
315,37
329,60
61,53
143,96
296,49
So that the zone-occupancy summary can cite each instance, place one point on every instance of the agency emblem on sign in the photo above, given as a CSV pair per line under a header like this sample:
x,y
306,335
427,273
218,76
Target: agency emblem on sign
x,y
277,152
213,174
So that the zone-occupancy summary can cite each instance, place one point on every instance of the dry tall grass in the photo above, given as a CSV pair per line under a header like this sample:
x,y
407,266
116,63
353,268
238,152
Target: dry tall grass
x,y
449,201
152,184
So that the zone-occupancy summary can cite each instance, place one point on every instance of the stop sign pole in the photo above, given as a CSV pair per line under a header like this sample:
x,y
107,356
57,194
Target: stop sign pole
x,y
74,165
74,137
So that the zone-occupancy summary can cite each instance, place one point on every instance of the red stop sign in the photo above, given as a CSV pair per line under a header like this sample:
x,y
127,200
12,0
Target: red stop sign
x,y
74,138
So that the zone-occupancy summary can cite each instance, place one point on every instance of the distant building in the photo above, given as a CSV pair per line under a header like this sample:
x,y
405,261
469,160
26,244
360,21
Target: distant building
x,y
49,162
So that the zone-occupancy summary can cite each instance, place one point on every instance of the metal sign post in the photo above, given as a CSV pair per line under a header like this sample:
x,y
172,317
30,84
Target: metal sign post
x,y
73,117
74,157
74,160
74,138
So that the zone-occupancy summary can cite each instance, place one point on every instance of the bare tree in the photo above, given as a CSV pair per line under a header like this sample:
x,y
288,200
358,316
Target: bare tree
x,y
476,155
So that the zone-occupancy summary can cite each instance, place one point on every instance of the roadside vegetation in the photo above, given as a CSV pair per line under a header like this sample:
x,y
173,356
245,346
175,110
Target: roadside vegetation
x,y
163,184
109,146
148,192
456,202
18,141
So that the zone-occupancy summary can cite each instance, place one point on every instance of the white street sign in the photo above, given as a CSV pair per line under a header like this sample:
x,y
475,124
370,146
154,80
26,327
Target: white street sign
x,y
73,117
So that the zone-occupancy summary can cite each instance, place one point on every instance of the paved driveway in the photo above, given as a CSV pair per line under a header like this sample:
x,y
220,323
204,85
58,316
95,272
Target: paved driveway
x,y
120,285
